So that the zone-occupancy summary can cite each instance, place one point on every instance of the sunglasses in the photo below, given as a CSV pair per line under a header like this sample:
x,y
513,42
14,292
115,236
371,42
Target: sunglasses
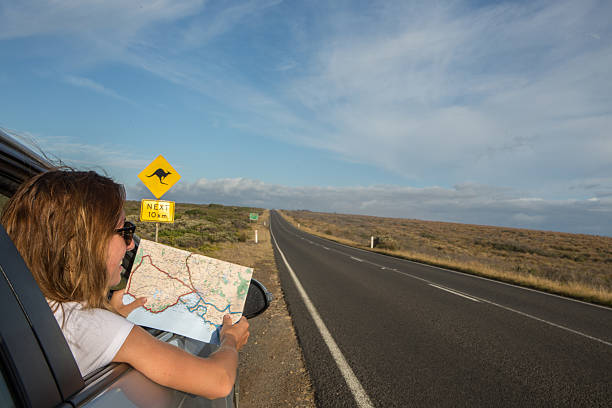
x,y
127,232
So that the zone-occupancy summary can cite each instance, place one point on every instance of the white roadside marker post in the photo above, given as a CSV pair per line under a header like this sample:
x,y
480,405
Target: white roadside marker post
x,y
255,236
372,242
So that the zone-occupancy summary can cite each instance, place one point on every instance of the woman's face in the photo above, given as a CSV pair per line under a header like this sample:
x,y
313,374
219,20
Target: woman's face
x,y
116,252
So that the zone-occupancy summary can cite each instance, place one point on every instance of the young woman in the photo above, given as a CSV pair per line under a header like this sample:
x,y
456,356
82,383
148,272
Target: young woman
x,y
70,228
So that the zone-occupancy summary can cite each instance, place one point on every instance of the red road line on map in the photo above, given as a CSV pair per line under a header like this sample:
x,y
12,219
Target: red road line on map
x,y
189,270
168,275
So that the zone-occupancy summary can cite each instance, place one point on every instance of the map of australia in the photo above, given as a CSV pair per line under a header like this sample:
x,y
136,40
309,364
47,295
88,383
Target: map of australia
x,y
186,293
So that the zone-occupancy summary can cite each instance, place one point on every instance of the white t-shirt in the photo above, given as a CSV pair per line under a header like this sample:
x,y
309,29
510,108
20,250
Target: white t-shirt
x,y
94,335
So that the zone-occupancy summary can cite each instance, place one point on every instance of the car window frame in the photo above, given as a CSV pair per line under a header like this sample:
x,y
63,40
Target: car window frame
x,y
24,363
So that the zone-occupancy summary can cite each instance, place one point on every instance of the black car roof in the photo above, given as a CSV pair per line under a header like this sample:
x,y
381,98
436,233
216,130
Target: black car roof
x,y
17,163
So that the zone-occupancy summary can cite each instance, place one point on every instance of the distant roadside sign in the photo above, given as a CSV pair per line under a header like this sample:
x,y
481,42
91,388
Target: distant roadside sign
x,y
157,211
253,216
159,176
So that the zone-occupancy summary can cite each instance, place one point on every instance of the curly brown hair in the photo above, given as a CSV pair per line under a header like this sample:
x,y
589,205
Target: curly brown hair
x,y
61,221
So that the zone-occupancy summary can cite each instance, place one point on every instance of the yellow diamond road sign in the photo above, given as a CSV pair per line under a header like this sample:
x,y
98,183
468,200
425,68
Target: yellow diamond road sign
x,y
159,176
157,210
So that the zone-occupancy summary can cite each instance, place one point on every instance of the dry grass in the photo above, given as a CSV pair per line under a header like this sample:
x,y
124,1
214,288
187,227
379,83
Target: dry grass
x,y
574,265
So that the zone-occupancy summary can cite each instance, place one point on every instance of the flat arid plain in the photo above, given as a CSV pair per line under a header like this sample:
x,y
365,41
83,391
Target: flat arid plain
x,y
573,265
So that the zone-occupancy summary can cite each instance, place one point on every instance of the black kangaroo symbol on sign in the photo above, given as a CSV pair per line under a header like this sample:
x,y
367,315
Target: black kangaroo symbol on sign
x,y
161,173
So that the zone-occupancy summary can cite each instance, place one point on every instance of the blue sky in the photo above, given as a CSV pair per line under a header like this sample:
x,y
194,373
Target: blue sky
x,y
469,111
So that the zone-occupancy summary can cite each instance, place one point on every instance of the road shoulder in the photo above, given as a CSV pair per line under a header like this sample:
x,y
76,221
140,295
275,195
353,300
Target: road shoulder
x,y
271,369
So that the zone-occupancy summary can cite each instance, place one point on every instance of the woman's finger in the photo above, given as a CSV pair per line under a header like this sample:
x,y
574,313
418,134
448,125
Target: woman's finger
x,y
137,303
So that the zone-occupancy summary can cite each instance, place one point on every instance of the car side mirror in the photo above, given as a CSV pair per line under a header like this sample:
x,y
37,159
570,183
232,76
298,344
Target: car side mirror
x,y
257,301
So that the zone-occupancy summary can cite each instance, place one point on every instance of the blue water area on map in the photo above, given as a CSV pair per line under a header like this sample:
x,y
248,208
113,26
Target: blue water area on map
x,y
180,319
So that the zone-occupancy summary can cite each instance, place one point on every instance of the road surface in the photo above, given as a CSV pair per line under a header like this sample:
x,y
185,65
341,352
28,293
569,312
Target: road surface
x,y
385,332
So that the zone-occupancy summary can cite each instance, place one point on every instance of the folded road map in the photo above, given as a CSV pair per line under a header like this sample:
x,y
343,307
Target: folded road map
x,y
186,293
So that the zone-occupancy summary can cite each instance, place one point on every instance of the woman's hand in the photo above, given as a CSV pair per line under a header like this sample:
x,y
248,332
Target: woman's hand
x,y
236,334
124,310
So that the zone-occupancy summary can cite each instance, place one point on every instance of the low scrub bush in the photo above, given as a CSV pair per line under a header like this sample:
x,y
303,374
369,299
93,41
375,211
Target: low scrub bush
x,y
387,242
199,227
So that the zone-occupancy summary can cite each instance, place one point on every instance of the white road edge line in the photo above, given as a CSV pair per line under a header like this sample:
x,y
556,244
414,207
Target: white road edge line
x,y
353,383
455,293
356,259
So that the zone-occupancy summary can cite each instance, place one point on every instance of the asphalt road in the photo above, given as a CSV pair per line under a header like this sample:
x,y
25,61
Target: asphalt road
x,y
415,335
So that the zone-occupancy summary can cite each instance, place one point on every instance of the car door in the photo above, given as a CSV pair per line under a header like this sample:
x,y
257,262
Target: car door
x,y
37,365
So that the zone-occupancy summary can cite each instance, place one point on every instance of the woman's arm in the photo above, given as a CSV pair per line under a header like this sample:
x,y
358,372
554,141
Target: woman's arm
x,y
211,377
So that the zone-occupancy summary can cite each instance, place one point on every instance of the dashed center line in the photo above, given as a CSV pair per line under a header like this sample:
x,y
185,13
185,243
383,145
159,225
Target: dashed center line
x,y
455,292
474,298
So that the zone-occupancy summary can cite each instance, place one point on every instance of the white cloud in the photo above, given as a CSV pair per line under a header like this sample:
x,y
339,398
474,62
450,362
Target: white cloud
x,y
507,94
198,33
96,87
511,94
79,155
102,20
468,203
514,94
286,66
439,93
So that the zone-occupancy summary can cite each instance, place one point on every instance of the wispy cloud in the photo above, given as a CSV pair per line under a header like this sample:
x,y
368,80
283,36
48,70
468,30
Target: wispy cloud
x,y
200,33
96,87
289,65
75,153
506,94
510,94
514,94
446,93
84,155
109,21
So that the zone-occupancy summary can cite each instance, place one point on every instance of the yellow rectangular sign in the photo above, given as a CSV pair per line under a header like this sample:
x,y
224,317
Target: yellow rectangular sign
x,y
157,211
